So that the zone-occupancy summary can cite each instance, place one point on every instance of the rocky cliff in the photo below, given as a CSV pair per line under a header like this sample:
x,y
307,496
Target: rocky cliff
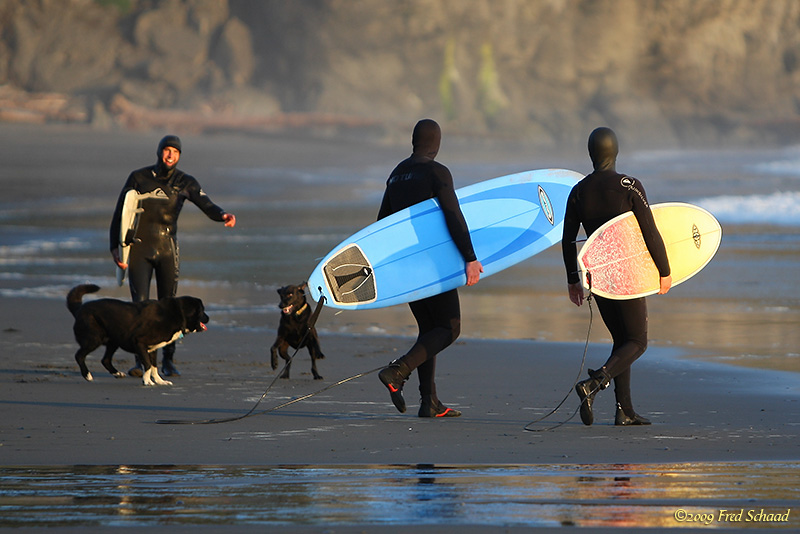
x,y
545,71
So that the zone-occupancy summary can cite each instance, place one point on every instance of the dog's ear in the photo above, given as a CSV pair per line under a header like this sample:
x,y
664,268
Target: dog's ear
x,y
177,307
302,287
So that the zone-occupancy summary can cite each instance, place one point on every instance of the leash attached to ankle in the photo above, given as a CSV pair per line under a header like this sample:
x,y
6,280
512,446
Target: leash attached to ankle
x,y
577,378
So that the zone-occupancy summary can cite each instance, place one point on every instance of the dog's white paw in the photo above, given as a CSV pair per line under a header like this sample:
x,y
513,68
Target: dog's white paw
x,y
152,378
89,377
119,374
147,379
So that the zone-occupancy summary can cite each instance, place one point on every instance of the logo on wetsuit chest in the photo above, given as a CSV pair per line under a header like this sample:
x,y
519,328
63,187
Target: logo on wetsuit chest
x,y
156,193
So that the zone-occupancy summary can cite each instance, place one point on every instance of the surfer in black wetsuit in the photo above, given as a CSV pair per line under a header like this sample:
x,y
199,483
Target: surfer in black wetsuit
x,y
599,197
163,189
415,179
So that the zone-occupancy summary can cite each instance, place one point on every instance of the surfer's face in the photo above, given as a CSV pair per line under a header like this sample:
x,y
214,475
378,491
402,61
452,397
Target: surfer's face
x,y
170,156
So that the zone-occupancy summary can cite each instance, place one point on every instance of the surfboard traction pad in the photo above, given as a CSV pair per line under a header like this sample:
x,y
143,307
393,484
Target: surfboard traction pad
x,y
350,276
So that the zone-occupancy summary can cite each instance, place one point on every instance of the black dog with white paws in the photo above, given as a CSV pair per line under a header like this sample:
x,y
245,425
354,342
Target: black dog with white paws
x,y
295,316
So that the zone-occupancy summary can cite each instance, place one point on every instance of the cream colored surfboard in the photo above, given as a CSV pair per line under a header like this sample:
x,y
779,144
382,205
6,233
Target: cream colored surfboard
x,y
127,229
618,260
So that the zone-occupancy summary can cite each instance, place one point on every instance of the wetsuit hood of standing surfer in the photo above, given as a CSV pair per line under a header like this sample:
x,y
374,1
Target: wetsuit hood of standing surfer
x,y
603,149
162,167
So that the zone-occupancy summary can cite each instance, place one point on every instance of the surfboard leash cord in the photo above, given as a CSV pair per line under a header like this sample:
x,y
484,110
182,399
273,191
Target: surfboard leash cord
x,y
311,322
527,427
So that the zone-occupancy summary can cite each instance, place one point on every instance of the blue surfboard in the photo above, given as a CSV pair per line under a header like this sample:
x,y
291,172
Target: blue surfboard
x,y
410,254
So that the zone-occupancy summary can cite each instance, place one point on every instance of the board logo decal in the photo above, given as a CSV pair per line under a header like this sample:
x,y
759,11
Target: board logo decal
x,y
547,207
696,236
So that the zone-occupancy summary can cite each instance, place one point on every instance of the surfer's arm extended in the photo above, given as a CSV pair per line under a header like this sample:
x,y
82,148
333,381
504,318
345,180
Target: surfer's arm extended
x,y
198,197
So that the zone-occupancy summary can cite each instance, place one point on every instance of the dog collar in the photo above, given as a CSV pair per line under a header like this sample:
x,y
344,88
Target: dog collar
x,y
175,337
298,312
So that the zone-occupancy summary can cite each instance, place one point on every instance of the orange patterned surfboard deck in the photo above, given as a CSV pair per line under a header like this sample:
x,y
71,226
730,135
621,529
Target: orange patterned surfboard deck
x,y
618,260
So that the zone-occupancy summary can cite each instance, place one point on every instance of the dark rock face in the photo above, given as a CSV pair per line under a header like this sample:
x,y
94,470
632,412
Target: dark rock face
x,y
547,71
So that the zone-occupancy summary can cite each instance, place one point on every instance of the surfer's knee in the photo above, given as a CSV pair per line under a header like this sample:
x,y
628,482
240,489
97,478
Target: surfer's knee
x,y
640,344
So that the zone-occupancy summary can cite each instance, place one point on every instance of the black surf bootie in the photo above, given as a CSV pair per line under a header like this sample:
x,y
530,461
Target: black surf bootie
x,y
167,364
393,377
136,371
168,368
586,391
623,419
434,408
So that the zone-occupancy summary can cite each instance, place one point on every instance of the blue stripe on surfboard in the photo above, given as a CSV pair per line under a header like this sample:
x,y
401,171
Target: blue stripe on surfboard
x,y
489,194
490,259
516,246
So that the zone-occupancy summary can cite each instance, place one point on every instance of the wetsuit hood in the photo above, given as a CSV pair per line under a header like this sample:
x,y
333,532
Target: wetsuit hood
x,y
426,138
167,141
603,149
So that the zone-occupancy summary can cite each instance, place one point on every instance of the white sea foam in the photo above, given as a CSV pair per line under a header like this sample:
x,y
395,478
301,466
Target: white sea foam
x,y
785,163
38,246
787,167
777,208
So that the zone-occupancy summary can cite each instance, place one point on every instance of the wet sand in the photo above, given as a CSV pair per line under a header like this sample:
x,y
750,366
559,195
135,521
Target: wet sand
x,y
701,411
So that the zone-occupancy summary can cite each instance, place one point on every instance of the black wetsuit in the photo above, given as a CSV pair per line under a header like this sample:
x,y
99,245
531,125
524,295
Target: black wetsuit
x,y
155,249
415,179
599,197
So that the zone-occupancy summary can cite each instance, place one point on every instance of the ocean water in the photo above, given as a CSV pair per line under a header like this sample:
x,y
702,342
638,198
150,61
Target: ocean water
x,y
292,210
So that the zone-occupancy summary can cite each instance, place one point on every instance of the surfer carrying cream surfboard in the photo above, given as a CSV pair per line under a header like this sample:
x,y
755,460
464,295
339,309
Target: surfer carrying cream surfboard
x,y
417,178
162,190
598,198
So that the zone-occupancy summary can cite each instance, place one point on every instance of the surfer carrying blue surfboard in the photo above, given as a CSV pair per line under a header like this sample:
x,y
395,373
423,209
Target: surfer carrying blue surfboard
x,y
417,178
162,189
599,197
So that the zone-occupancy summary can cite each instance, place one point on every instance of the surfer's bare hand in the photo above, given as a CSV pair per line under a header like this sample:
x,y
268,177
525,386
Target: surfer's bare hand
x,y
576,293
666,283
229,219
473,270
115,255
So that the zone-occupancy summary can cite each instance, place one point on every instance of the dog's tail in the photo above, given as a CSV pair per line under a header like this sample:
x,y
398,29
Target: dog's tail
x,y
75,296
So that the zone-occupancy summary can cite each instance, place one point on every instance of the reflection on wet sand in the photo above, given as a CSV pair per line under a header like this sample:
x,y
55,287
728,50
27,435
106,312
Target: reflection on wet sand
x,y
650,495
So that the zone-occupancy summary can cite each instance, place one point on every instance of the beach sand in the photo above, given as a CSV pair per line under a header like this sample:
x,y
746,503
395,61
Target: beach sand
x,y
701,411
